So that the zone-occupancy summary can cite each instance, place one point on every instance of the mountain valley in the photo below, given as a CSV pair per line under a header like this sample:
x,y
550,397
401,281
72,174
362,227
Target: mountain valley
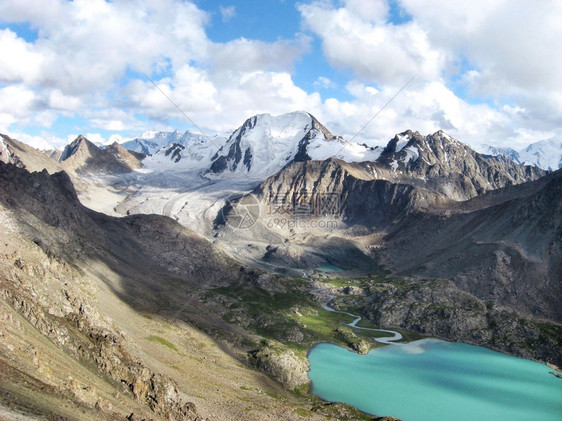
x,y
181,276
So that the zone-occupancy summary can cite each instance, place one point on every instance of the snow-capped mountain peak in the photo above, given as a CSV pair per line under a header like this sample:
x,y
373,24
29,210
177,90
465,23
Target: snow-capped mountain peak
x,y
545,154
495,150
264,144
150,142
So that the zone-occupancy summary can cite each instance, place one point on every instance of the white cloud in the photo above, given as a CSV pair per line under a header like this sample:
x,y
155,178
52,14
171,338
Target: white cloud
x,y
375,11
20,62
234,99
516,43
513,50
87,45
361,91
190,89
43,142
507,51
245,55
376,51
227,13
324,83
95,138
16,104
87,54
112,119
59,101
426,108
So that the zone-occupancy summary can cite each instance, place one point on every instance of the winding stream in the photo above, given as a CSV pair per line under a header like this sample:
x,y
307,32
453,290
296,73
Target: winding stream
x,y
389,340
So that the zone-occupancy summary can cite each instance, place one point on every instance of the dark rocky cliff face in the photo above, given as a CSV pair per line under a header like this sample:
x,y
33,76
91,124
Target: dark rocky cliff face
x,y
439,308
509,251
362,200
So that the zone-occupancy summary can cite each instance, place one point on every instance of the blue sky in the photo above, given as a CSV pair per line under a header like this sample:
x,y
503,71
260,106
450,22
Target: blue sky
x,y
487,72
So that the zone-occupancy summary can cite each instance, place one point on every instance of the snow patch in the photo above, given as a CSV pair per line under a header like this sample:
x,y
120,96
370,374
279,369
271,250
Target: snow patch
x,y
402,141
192,154
4,153
412,154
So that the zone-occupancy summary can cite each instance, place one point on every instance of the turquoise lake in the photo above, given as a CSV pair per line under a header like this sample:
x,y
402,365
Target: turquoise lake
x,y
431,380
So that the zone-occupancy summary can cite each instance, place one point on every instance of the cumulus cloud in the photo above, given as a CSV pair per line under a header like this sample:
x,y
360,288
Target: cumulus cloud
x,y
375,50
250,55
96,60
21,62
99,40
503,56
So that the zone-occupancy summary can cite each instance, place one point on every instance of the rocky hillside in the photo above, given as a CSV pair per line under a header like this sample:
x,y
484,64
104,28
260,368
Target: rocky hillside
x,y
15,152
505,246
440,163
132,318
441,309
127,158
360,199
57,345
82,156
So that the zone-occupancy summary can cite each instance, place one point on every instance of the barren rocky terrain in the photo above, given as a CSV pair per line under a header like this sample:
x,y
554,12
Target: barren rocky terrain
x,y
184,296
129,316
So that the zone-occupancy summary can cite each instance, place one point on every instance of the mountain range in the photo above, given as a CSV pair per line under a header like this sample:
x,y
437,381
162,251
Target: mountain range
x,y
546,154
198,258
265,143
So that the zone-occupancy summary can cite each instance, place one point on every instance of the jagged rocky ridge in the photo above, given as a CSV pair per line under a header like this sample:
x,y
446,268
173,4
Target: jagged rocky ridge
x,y
17,153
440,163
413,173
264,144
298,135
